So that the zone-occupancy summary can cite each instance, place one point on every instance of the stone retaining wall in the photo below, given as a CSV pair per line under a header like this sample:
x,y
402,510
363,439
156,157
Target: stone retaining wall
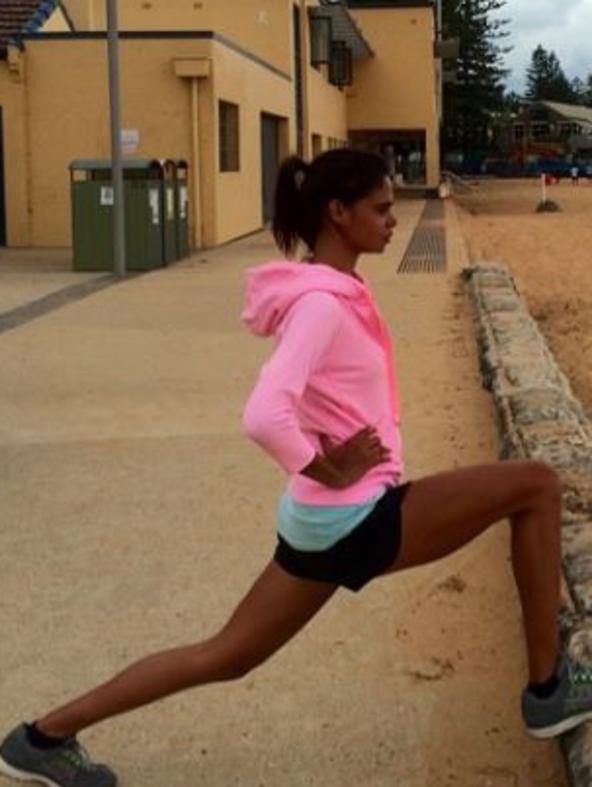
x,y
539,418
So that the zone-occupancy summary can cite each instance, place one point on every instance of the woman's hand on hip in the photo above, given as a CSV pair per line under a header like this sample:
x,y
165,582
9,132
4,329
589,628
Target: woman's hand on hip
x,y
341,465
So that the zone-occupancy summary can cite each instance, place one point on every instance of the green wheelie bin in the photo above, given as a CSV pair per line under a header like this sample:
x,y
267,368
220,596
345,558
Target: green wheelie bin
x,y
92,214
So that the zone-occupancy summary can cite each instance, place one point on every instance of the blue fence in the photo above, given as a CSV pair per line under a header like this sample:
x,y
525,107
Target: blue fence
x,y
501,168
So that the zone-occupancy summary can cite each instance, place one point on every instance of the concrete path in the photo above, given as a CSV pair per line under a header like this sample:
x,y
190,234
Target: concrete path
x,y
27,275
135,514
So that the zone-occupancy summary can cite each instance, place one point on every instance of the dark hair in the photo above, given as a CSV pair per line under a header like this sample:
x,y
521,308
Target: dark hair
x,y
304,190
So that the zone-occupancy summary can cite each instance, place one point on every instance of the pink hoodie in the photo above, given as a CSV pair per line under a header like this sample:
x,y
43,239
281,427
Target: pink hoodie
x,y
331,372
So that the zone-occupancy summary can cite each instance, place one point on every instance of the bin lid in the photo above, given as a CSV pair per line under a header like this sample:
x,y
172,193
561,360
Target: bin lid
x,y
105,164
169,167
172,165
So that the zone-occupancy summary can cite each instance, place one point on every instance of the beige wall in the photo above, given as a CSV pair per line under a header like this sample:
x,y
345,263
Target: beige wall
x,y
328,109
13,100
254,89
158,104
82,13
73,121
261,26
397,89
18,130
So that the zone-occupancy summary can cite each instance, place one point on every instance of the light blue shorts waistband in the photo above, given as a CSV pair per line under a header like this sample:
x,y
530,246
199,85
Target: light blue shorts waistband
x,y
313,528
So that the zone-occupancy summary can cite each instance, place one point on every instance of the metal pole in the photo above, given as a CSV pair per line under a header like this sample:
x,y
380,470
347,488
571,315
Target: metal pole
x,y
119,260
439,39
195,125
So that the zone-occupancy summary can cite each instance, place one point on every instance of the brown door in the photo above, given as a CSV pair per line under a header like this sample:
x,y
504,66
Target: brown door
x,y
270,161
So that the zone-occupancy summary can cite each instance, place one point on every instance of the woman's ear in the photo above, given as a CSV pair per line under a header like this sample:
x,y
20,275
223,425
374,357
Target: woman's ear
x,y
337,212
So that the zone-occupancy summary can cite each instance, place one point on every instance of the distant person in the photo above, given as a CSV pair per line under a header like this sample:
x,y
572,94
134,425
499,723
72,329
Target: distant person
x,y
575,174
326,408
391,162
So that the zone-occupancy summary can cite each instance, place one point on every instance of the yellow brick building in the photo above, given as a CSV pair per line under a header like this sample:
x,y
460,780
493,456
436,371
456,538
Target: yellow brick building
x,y
230,86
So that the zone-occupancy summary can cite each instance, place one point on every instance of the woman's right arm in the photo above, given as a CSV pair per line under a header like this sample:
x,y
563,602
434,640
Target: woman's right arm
x,y
270,415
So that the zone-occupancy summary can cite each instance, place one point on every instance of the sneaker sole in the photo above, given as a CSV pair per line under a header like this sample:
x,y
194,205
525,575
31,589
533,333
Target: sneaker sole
x,y
24,776
560,727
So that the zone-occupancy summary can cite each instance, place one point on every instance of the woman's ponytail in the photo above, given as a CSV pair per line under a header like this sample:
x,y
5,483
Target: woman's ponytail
x,y
289,204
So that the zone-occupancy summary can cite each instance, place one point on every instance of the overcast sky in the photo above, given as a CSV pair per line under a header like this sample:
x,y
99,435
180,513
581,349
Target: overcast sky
x,y
564,26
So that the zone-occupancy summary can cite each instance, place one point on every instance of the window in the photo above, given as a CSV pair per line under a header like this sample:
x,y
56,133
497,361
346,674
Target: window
x,y
320,39
229,137
539,130
340,66
519,132
317,145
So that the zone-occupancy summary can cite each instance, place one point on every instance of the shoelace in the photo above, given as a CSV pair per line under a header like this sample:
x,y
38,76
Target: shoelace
x,y
76,754
580,674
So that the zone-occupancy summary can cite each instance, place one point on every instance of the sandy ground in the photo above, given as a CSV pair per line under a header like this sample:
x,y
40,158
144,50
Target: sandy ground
x,y
135,514
550,255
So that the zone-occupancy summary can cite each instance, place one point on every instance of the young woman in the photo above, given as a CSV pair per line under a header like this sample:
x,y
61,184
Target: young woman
x,y
326,408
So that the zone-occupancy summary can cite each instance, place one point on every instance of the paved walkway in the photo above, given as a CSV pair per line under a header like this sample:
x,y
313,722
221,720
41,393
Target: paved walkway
x,y
135,514
28,275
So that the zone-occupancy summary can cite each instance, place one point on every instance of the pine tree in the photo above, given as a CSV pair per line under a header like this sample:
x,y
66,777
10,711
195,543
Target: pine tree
x,y
579,91
537,73
588,93
545,79
476,96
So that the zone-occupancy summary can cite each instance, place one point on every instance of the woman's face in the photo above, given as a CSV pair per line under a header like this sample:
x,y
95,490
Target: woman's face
x,y
368,224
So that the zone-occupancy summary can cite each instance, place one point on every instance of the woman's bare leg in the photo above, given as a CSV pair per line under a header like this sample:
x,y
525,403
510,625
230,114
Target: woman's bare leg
x,y
274,610
444,511
441,513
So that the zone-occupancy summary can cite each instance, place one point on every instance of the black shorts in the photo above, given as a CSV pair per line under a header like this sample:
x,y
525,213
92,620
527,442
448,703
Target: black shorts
x,y
368,551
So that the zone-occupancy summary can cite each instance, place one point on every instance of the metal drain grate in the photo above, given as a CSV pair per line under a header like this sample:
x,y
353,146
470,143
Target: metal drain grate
x,y
426,252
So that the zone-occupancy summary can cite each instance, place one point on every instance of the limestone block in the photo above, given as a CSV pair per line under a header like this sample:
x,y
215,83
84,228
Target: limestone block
x,y
532,405
577,749
538,417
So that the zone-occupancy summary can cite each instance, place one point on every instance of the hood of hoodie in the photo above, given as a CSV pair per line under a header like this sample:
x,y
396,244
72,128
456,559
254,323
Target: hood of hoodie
x,y
273,288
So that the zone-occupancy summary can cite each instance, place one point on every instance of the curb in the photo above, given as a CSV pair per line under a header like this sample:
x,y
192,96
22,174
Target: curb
x,y
539,418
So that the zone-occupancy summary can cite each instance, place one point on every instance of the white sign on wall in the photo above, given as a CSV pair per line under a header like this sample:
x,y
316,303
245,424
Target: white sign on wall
x,y
130,140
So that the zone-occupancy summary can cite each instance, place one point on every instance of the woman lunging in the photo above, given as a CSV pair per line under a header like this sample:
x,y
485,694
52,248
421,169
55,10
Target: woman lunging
x,y
326,408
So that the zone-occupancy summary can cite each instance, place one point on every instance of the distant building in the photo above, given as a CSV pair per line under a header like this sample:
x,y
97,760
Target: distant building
x,y
229,87
549,128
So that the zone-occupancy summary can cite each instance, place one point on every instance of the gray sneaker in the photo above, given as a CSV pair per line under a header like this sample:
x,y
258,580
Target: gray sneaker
x,y
569,705
68,765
